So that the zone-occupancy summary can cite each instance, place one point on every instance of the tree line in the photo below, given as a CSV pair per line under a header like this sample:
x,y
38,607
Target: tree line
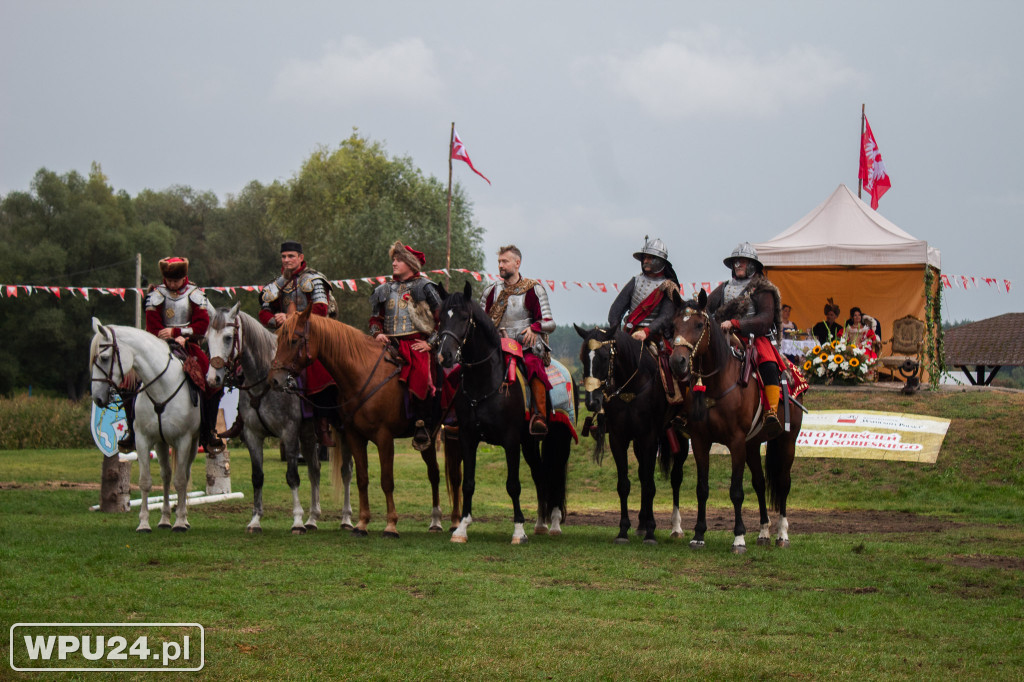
x,y
346,205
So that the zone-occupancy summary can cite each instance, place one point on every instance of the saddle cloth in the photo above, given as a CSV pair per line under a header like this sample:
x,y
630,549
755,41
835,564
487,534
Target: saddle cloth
x,y
563,404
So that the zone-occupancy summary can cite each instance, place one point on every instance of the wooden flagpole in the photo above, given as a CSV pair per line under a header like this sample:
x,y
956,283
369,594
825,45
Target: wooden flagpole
x,y
860,181
448,262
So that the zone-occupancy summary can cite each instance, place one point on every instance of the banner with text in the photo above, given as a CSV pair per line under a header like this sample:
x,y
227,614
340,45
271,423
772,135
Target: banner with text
x,y
871,435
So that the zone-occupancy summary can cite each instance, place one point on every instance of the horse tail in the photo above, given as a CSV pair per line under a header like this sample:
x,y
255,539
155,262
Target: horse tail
x,y
555,460
452,466
776,473
341,460
599,432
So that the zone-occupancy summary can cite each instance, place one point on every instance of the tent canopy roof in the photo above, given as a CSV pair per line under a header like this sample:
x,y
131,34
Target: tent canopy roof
x,y
843,230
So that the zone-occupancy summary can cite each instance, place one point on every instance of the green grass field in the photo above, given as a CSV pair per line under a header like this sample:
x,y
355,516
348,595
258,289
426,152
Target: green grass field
x,y
912,571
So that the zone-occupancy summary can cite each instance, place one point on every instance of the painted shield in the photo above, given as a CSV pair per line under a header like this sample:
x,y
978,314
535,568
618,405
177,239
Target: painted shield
x,y
108,426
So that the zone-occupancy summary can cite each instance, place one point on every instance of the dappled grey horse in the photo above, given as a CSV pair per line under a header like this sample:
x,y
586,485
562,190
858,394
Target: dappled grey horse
x,y
238,341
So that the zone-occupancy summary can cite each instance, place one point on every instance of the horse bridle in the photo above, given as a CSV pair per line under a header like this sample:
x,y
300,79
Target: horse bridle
x,y
116,355
592,384
234,357
303,351
459,343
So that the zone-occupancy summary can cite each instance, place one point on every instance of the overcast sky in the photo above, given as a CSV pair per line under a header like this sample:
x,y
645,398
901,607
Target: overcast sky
x,y
704,124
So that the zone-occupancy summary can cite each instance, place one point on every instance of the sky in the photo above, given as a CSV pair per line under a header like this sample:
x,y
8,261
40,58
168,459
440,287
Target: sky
x,y
702,124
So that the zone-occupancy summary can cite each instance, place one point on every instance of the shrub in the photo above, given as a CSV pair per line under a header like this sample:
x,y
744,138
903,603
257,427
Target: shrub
x,y
44,423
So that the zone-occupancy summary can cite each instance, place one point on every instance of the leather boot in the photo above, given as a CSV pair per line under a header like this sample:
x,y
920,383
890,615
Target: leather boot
x,y
772,428
323,431
126,443
212,444
538,420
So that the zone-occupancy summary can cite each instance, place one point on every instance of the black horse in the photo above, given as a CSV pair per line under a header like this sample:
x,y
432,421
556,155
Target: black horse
x,y
490,409
623,389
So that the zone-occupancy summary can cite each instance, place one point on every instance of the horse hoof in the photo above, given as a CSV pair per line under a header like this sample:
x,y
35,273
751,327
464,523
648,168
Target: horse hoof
x,y
739,549
782,543
347,526
555,533
359,533
298,530
520,541
460,539
165,526
434,529
621,541
763,542
311,526
179,529
540,530
696,544
143,530
650,541
252,530
676,534
389,534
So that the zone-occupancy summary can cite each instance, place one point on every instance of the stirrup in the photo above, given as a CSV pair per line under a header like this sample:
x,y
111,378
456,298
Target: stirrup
x,y
214,446
127,444
420,436
771,428
538,427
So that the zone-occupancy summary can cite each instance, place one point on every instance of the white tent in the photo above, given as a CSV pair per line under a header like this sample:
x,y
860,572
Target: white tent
x,y
848,252
843,230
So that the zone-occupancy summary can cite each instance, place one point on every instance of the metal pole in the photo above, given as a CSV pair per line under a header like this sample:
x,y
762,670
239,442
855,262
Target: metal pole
x,y
138,291
860,181
448,261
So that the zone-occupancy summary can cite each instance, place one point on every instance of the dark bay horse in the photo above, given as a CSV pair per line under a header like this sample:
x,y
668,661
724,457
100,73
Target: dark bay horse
x,y
373,403
238,340
727,411
492,411
622,388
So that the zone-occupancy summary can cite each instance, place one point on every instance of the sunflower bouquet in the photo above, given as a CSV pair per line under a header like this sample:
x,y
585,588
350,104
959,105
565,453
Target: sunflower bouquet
x,y
838,361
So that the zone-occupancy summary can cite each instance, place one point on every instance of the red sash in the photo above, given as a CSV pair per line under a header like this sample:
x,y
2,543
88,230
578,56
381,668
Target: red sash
x,y
646,307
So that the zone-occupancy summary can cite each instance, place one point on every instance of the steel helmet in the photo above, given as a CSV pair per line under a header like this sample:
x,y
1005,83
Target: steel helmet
x,y
744,250
653,247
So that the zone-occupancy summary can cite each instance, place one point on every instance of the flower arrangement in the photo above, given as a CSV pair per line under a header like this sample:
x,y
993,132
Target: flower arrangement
x,y
838,361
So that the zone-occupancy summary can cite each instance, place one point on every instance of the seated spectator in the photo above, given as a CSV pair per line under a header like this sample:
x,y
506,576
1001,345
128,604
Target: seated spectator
x,y
788,327
860,330
828,329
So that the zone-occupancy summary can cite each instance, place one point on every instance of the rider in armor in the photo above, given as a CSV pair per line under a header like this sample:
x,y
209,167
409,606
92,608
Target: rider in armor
x,y
520,310
749,304
176,312
404,313
643,301
297,288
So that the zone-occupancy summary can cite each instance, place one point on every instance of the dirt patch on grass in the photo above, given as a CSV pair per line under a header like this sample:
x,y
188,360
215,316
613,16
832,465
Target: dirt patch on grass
x,y
800,521
987,561
48,485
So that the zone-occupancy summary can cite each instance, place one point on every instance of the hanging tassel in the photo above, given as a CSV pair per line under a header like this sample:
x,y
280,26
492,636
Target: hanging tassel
x,y
700,387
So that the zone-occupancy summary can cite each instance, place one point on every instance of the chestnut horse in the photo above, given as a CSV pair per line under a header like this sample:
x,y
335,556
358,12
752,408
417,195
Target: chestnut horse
x,y
725,409
372,409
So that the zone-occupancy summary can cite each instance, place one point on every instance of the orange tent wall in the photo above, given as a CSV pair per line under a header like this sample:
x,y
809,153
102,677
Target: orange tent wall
x,y
885,292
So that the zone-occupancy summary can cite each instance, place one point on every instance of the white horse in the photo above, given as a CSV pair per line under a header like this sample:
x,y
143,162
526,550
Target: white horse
x,y
164,412
236,339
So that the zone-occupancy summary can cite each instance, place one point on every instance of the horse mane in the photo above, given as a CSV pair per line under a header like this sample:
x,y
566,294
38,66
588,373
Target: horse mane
x,y
637,354
340,340
719,345
484,323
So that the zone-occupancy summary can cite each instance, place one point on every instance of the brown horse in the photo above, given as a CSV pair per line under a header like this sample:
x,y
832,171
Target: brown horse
x,y
373,404
725,409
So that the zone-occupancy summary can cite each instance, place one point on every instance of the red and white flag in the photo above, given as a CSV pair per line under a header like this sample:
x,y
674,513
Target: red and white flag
x,y
459,153
872,174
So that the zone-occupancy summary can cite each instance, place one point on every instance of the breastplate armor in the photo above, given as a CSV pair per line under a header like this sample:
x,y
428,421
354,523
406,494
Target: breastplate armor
x,y
398,309
177,304
643,286
517,317
740,290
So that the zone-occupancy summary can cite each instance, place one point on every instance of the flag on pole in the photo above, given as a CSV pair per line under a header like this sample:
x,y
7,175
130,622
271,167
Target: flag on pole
x,y
872,170
459,153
